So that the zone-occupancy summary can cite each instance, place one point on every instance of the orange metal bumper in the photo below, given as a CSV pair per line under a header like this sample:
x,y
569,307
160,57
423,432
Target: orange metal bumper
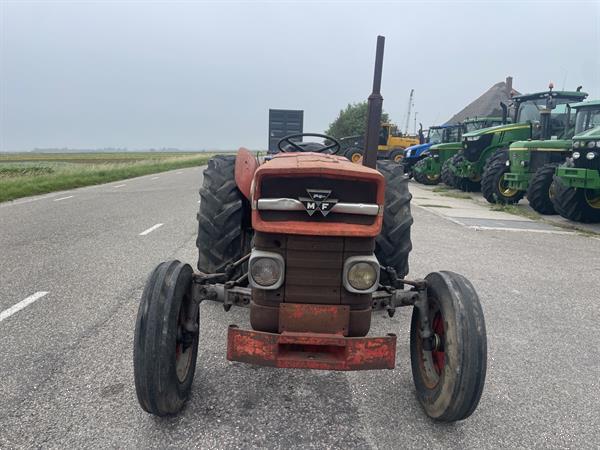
x,y
311,350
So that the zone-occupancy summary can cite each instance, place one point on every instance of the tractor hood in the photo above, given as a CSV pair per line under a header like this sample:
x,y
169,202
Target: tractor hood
x,y
496,129
416,150
446,146
588,135
316,194
547,144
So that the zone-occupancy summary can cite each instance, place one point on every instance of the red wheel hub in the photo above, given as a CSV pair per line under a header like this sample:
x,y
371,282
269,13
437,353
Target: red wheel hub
x,y
438,354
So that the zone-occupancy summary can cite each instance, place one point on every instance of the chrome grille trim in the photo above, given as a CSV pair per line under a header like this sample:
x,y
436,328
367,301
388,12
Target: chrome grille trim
x,y
291,204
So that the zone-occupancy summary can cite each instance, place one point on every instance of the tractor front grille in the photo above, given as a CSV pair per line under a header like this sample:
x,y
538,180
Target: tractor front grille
x,y
340,190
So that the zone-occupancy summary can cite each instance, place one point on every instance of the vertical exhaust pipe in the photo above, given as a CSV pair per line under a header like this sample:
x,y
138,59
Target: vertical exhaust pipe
x,y
375,105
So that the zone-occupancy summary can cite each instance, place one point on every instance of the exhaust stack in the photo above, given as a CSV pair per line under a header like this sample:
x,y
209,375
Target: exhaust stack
x,y
375,105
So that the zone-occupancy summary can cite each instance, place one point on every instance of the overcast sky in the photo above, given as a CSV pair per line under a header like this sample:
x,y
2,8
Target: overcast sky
x,y
203,75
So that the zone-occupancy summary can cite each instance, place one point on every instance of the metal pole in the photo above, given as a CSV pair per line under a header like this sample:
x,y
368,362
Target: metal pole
x,y
375,105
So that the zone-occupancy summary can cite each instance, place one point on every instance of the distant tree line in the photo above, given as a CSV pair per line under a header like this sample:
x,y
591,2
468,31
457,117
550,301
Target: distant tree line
x,y
352,121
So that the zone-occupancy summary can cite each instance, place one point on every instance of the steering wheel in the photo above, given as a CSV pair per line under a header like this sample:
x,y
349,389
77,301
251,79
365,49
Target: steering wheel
x,y
334,147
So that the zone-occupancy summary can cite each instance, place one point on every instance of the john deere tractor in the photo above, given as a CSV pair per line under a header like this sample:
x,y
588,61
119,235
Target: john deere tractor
x,y
311,244
577,181
468,165
391,144
435,135
430,169
529,166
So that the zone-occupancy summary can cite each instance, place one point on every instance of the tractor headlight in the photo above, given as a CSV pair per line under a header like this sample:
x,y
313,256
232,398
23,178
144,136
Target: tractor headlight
x,y
361,274
576,144
576,155
266,270
591,144
590,155
507,163
473,138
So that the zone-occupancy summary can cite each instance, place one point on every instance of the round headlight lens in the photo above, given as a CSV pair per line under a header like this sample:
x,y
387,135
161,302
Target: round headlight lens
x,y
590,155
576,155
576,144
265,271
362,276
591,144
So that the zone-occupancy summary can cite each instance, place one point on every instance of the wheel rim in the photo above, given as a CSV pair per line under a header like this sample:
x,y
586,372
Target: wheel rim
x,y
432,363
398,158
183,345
504,189
551,191
592,197
355,157
432,177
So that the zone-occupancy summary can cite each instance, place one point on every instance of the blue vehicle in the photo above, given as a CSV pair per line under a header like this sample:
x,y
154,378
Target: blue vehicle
x,y
435,135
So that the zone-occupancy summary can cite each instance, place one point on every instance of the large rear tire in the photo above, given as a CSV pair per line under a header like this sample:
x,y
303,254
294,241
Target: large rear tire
x,y
579,205
541,189
423,178
354,154
166,340
393,244
224,231
493,186
449,379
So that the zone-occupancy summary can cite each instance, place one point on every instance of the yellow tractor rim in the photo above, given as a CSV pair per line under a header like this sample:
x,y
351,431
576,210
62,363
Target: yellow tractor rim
x,y
398,158
432,177
356,157
592,197
505,190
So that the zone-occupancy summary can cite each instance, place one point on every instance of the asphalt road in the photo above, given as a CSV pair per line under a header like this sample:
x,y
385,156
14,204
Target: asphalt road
x,y
66,359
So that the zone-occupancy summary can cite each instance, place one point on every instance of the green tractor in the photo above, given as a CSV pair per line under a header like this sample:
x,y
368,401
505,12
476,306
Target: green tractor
x,y
529,166
577,182
479,146
430,169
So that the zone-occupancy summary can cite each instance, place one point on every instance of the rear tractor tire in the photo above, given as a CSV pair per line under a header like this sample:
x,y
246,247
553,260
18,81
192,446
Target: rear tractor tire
x,y
493,186
579,205
166,340
449,378
541,189
420,177
393,244
224,230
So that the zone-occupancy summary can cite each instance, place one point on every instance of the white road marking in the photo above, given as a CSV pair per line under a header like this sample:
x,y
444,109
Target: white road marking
x,y
178,173
22,304
63,198
154,178
119,185
151,229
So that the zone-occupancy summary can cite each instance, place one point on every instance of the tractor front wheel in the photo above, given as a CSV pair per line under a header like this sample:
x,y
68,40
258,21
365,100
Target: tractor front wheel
x,y
493,186
577,204
166,340
397,155
447,176
541,189
425,178
449,374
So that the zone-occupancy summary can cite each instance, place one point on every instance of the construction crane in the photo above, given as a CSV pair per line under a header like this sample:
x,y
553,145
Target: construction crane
x,y
410,106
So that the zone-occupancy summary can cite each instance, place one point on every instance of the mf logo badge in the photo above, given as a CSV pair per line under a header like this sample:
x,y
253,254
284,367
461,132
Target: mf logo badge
x,y
318,200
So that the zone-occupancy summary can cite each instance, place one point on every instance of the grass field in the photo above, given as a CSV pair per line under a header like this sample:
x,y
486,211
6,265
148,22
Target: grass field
x,y
24,174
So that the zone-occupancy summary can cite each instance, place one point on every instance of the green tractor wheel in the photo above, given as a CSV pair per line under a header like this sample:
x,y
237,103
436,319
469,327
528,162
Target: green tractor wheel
x,y
493,186
541,189
446,176
466,184
579,205
425,178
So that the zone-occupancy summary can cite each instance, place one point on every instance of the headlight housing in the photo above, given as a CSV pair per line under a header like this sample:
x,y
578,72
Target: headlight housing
x,y
361,274
266,270
591,144
473,138
576,144
576,155
590,155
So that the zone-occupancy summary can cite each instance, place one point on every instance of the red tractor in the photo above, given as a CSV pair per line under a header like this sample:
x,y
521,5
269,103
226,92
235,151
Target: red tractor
x,y
313,244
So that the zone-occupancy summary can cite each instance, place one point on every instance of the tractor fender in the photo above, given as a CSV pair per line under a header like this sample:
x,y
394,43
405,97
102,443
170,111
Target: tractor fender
x,y
245,166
